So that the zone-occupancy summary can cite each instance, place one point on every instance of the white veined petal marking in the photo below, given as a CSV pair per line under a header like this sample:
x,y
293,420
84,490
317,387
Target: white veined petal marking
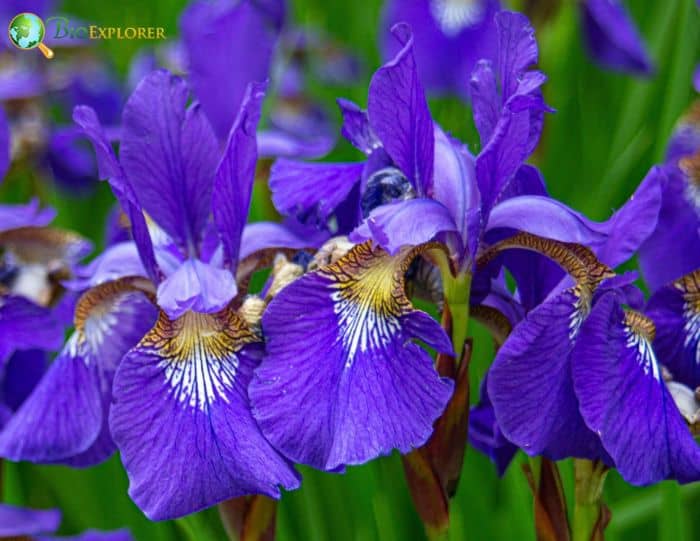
x,y
368,299
640,333
689,286
199,355
361,327
692,329
453,16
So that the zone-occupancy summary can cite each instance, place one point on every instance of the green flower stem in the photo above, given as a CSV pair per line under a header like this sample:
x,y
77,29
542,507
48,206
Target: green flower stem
x,y
456,290
590,515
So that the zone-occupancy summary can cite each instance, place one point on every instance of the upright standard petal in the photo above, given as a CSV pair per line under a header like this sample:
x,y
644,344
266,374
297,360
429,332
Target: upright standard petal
x,y
344,382
65,418
109,168
168,155
673,249
455,187
624,399
312,191
517,50
356,128
501,157
504,84
235,174
399,115
182,420
612,38
675,310
244,35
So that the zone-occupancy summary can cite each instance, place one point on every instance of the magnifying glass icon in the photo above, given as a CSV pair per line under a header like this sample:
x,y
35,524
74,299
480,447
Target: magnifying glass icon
x,y
26,31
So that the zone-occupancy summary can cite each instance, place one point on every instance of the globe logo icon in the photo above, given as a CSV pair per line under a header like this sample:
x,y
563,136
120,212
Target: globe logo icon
x,y
26,31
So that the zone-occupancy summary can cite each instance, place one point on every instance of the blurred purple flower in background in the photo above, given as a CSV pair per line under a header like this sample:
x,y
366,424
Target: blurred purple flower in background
x,y
251,39
450,36
34,524
612,38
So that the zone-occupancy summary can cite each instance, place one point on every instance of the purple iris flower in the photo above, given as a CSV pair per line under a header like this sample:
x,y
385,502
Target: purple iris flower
x,y
450,37
160,359
247,34
38,525
612,38
528,397
416,186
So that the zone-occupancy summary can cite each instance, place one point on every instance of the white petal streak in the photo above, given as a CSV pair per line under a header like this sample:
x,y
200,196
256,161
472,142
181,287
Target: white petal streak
x,y
199,355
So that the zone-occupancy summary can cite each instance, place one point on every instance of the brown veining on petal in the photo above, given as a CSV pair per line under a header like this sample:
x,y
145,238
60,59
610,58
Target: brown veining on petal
x,y
368,289
99,300
369,274
198,335
579,261
690,286
640,324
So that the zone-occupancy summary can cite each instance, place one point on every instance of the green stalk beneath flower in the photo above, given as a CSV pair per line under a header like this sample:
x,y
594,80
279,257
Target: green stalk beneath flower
x,y
433,470
591,516
456,292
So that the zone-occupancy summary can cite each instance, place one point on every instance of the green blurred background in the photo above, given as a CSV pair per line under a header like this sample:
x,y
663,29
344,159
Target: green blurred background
x,y
607,131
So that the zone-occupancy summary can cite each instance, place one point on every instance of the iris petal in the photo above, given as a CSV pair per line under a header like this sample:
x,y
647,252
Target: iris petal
x,y
182,420
675,310
343,382
399,114
625,401
65,418
530,383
